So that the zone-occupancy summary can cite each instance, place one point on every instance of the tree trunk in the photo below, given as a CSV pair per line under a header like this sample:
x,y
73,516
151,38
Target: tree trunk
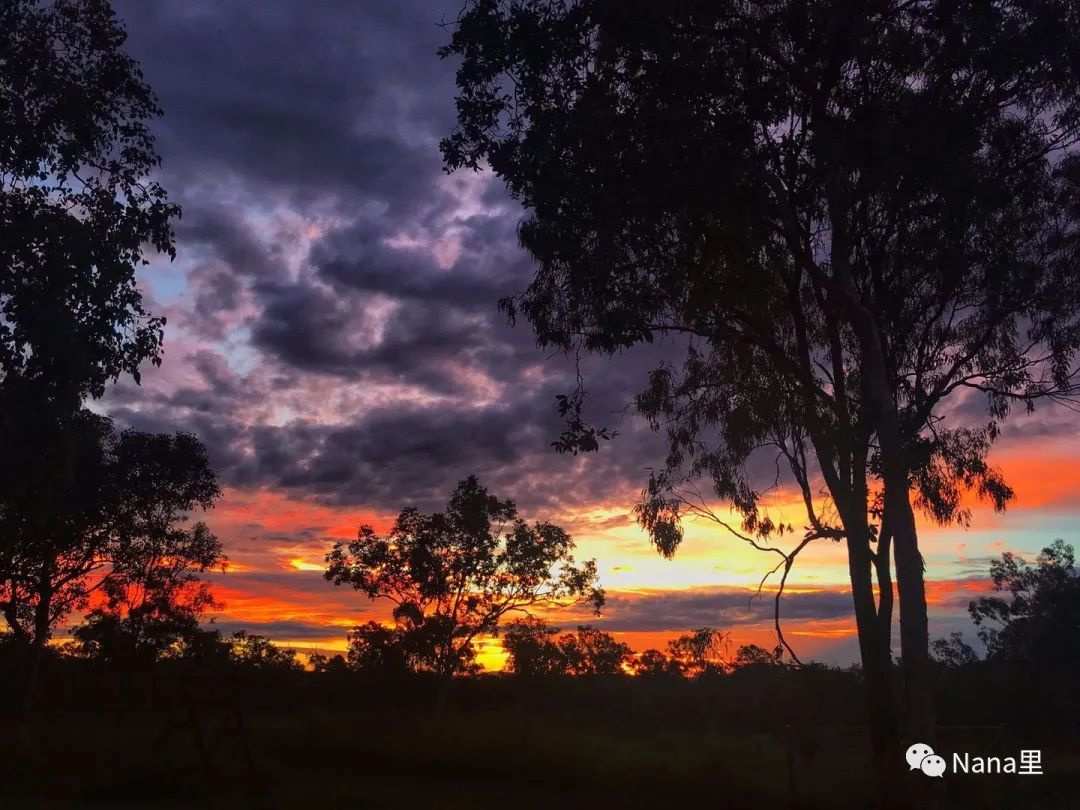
x,y
877,383
914,625
12,619
877,672
914,628
36,650
849,492
31,667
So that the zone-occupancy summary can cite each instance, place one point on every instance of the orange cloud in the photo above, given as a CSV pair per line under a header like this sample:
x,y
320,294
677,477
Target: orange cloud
x,y
956,592
1042,479
274,512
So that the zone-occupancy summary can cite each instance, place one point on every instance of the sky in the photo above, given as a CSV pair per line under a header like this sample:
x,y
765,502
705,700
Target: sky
x,y
334,340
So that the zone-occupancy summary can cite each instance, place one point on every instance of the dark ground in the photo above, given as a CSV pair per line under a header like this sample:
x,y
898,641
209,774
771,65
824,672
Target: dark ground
x,y
295,742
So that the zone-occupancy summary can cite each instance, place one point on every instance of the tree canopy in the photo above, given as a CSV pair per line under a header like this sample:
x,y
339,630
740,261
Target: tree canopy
x,y
533,647
1037,625
116,522
455,575
702,652
80,211
854,215
78,203
154,597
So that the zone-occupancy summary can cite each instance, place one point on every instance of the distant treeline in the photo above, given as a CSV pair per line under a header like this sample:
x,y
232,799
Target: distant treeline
x,y
1030,632
219,675
476,569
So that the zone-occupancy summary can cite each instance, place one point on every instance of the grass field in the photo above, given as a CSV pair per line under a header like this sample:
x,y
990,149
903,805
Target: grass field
x,y
313,757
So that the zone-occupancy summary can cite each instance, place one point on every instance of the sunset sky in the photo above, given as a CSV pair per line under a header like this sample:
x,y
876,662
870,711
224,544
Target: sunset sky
x,y
333,339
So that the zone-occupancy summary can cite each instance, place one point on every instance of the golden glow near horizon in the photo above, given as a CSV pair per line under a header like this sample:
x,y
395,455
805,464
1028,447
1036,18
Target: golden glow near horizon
x,y
273,584
301,564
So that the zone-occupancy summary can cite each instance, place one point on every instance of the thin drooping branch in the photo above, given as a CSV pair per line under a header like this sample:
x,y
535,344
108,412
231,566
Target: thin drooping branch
x,y
694,503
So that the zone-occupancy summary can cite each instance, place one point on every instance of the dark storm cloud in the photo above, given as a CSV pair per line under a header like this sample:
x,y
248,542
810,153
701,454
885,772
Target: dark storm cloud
x,y
280,115
221,435
403,454
227,237
678,610
444,315
396,456
293,631
337,98
314,327
490,264
342,110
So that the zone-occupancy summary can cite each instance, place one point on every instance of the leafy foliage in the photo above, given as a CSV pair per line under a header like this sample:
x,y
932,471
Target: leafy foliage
x,y
324,664
754,655
578,436
750,174
56,526
1038,624
77,201
258,653
953,652
653,662
532,649
535,648
154,599
115,522
703,652
410,646
853,218
78,208
589,651
455,575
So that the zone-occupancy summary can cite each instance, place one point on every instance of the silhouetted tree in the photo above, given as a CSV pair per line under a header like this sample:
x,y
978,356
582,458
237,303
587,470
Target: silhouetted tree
x,y
205,648
1038,624
154,600
116,526
754,655
78,205
589,651
323,664
411,645
455,575
653,662
531,648
373,647
119,527
56,537
78,209
702,652
849,212
255,652
953,652
154,595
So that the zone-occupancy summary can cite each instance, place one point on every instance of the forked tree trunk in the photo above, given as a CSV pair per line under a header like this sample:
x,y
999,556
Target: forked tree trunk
x,y
914,625
876,658
914,628
873,621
